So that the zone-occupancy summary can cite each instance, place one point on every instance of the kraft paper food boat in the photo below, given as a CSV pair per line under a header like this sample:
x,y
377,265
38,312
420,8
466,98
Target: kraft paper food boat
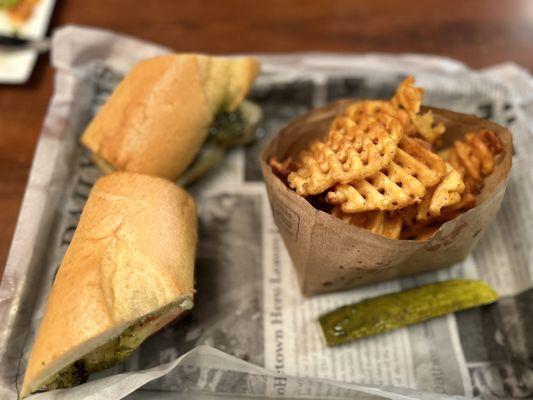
x,y
331,255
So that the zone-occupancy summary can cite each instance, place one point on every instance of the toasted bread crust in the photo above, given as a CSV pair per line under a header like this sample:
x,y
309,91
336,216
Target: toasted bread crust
x,y
132,254
158,117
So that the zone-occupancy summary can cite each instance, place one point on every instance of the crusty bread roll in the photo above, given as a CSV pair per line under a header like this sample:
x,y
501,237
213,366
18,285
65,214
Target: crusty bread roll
x,y
159,115
132,255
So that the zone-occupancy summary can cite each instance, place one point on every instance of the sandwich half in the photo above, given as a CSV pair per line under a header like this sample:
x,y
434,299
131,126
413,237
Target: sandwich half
x,y
165,108
128,272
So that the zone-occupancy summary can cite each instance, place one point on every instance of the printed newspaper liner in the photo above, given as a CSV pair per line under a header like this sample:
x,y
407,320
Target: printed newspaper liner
x,y
331,255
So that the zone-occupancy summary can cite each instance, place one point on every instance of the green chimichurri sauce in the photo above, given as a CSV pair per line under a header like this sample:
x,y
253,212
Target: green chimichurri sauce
x,y
106,356
228,129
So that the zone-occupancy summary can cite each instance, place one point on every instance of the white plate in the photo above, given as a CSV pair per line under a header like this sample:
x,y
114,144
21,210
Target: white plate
x,y
16,67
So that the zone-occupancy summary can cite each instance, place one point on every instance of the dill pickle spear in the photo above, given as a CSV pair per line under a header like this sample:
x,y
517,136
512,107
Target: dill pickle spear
x,y
385,313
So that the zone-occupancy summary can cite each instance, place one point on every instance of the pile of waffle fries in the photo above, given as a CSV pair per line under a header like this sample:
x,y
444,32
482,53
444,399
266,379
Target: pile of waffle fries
x,y
382,167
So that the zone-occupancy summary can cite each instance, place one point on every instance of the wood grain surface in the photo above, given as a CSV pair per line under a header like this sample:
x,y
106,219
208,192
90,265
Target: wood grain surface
x,y
477,32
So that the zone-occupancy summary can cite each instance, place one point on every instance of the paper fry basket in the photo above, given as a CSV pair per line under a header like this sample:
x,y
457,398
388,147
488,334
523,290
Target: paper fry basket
x,y
331,255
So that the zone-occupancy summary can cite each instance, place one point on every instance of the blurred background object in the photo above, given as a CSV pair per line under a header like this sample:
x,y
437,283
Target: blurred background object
x,y
21,20
477,32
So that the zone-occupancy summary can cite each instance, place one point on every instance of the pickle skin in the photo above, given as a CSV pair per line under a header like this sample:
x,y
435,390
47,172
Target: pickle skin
x,y
396,310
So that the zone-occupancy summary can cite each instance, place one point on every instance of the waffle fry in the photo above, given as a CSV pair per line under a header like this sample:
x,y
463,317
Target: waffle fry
x,y
446,193
474,157
425,127
406,101
405,107
419,224
282,169
350,151
377,168
378,109
404,181
420,232
407,96
409,215
378,222
392,226
442,203
419,161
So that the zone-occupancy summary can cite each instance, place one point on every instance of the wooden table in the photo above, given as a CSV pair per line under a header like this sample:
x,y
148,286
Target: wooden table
x,y
478,32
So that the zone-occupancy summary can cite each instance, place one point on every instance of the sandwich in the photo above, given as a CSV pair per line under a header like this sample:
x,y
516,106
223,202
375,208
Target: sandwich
x,y
128,272
168,108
